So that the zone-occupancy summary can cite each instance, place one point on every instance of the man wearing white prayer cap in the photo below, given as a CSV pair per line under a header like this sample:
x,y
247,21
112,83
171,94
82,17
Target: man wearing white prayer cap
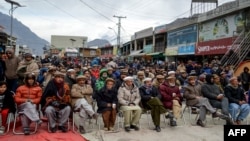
x,y
129,99
128,78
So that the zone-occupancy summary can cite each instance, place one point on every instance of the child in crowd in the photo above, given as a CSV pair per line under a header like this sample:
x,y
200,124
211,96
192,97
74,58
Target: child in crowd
x,y
6,105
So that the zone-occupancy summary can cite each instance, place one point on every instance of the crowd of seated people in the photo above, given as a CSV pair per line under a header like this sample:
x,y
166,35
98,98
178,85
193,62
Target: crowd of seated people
x,y
129,89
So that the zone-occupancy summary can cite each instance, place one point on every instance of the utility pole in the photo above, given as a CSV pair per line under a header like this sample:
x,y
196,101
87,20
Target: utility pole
x,y
119,32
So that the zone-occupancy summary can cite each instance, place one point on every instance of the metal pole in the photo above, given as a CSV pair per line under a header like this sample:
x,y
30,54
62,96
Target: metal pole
x,y
11,23
119,32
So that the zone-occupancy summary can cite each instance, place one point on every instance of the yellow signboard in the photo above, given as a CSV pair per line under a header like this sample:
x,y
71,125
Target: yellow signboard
x,y
172,51
114,50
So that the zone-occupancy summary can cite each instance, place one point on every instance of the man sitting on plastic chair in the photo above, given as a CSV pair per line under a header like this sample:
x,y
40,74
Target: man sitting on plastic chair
x,y
82,102
150,98
56,102
171,99
107,101
216,98
7,105
27,97
129,98
193,95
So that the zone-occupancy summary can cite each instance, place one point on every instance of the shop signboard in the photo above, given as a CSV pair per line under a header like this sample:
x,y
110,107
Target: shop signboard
x,y
115,51
186,49
160,29
220,46
172,51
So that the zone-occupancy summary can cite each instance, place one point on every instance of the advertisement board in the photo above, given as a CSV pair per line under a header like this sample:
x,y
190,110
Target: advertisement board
x,y
224,27
214,47
184,35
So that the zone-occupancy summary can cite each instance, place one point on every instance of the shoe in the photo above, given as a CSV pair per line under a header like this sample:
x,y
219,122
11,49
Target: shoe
x,y
222,116
230,122
173,122
111,128
200,123
215,115
53,129
127,129
2,130
95,116
169,115
26,131
134,127
82,130
63,129
39,122
158,129
105,129
194,111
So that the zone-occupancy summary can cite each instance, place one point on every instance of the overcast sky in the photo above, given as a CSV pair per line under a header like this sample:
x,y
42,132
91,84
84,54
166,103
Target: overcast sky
x,y
92,18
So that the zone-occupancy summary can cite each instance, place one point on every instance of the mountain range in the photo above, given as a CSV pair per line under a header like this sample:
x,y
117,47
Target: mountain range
x,y
25,36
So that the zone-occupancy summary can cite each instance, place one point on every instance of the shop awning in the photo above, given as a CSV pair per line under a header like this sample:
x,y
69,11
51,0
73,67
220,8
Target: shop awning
x,y
154,53
136,53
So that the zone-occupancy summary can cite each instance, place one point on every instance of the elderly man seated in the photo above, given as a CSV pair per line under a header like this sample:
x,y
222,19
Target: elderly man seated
x,y
151,100
129,98
81,100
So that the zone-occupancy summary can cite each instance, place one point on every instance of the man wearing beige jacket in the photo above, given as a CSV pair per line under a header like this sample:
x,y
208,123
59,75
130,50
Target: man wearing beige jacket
x,y
81,96
129,99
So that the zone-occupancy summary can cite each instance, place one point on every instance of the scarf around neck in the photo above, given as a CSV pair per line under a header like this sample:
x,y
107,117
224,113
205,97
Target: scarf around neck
x,y
148,89
60,89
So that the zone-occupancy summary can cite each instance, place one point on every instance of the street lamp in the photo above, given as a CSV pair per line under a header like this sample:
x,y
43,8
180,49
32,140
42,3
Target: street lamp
x,y
113,30
16,4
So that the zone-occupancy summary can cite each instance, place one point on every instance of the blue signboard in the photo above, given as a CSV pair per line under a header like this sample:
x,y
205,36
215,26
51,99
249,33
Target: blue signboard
x,y
181,36
188,49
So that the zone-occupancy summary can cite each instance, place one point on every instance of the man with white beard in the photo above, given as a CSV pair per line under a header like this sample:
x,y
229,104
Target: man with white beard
x,y
171,98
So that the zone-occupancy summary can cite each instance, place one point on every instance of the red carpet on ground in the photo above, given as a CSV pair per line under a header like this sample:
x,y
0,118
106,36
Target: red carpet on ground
x,y
42,134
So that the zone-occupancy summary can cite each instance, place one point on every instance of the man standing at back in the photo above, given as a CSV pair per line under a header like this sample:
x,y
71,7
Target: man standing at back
x,y
111,63
11,66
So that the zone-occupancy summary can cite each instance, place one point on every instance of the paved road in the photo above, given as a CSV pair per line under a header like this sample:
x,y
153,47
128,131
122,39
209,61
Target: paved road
x,y
189,131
